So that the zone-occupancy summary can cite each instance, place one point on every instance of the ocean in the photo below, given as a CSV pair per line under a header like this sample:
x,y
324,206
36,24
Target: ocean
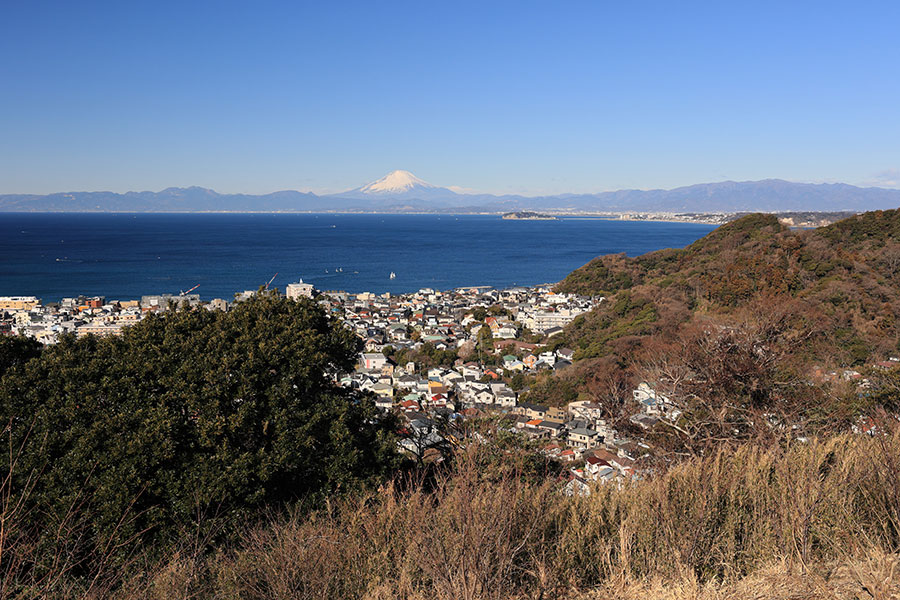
x,y
125,256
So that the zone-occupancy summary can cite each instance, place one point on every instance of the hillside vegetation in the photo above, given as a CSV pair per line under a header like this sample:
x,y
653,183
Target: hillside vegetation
x,y
845,276
188,424
739,327
817,520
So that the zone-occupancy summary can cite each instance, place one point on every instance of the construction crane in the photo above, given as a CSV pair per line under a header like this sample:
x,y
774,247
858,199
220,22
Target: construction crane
x,y
189,291
271,280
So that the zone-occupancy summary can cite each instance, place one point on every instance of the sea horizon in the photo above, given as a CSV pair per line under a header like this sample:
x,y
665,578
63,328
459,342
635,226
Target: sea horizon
x,y
127,255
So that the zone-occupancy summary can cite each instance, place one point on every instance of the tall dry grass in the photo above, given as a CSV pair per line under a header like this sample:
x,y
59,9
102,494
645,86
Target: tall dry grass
x,y
805,515
53,563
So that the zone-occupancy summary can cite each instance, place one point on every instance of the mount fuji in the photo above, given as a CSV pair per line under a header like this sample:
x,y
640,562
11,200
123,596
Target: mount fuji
x,y
399,185
397,182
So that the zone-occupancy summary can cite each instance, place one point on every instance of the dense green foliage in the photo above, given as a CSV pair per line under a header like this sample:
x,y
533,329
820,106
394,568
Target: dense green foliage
x,y
631,315
16,351
425,357
189,418
604,274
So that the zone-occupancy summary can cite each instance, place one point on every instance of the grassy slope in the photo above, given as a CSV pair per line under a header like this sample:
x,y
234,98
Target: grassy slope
x,y
800,521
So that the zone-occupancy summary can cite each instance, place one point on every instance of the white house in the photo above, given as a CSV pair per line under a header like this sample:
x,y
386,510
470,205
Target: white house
x,y
373,360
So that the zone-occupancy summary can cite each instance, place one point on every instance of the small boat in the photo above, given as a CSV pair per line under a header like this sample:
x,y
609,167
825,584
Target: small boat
x,y
393,275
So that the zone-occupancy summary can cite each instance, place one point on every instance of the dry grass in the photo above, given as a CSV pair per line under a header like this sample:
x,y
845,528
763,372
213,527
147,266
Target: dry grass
x,y
810,521
870,578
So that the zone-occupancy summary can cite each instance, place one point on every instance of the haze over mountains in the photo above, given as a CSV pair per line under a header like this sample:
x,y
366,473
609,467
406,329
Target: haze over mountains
x,y
401,191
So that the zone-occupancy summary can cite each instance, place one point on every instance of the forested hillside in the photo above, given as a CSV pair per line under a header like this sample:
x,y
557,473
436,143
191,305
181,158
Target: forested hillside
x,y
739,327
845,277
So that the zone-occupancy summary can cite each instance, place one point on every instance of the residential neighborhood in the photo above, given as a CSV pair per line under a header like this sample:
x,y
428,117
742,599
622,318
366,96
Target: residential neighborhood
x,y
434,400
500,332
438,360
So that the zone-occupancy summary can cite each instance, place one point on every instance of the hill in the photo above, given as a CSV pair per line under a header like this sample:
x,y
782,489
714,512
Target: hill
x,y
768,195
742,327
848,270
192,199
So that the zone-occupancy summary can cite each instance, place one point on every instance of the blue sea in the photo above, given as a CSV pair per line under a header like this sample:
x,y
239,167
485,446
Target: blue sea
x,y
125,256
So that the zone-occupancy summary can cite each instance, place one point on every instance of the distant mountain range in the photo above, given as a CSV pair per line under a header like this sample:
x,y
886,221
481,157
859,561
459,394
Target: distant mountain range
x,y
401,191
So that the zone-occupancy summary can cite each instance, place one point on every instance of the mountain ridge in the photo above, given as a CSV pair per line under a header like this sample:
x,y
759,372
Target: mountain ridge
x,y
401,191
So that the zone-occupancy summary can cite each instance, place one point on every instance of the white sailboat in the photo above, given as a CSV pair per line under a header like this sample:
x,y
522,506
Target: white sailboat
x,y
393,275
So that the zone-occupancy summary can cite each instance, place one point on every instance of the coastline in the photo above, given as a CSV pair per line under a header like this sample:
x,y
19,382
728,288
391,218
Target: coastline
x,y
689,218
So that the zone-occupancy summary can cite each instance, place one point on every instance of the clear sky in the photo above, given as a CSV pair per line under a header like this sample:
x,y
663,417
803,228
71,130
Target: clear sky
x,y
526,97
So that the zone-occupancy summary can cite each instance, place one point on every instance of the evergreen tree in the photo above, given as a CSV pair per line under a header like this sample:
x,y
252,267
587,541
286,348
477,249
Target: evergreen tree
x,y
192,413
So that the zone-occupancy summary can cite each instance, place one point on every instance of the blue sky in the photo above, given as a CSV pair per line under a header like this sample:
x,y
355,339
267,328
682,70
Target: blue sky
x,y
525,97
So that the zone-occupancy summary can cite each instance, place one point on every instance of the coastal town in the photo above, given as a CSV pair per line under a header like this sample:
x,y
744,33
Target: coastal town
x,y
437,360
464,355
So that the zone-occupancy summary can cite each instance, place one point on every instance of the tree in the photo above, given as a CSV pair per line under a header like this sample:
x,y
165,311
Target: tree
x,y
518,381
890,258
15,351
485,342
194,412
466,350
498,310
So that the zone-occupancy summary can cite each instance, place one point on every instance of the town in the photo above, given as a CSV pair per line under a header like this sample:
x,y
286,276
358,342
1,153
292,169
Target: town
x,y
438,360
463,355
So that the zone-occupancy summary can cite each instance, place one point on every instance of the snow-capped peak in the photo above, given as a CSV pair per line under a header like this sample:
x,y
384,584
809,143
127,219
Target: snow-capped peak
x,y
395,182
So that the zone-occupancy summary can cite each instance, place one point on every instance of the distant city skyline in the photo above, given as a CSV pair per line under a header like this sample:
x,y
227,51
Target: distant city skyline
x,y
510,98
